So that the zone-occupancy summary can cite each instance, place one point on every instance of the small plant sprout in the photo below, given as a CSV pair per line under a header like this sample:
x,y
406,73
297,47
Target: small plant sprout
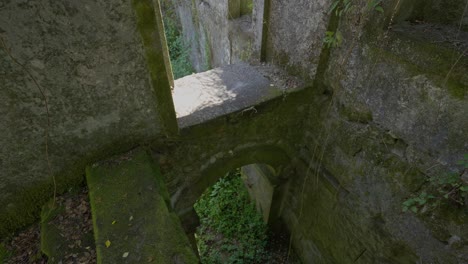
x,y
333,39
450,188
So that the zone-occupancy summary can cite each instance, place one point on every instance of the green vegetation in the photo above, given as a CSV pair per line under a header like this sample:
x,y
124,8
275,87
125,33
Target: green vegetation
x,y
334,39
447,189
4,253
231,230
178,49
130,214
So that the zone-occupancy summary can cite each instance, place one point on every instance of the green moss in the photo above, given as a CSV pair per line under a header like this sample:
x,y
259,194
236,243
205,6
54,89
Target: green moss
x,y
456,89
151,28
24,206
129,208
355,114
399,252
420,57
50,235
207,48
4,253
246,7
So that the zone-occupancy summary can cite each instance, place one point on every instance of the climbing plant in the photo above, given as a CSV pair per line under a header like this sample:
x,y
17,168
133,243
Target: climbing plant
x,y
445,189
231,230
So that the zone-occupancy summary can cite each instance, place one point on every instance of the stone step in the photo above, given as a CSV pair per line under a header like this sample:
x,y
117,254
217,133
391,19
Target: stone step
x,y
131,218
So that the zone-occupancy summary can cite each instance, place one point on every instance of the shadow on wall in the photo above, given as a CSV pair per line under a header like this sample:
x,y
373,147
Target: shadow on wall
x,y
217,166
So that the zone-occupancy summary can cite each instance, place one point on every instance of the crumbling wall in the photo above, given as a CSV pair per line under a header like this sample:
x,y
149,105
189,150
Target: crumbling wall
x,y
295,34
395,116
220,32
87,59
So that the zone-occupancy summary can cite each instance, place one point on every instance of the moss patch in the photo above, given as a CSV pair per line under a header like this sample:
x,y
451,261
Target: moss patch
x,y
51,240
151,28
24,207
130,213
4,254
422,57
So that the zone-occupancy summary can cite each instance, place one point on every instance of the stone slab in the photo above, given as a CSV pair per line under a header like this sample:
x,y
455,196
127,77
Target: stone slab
x,y
204,96
131,219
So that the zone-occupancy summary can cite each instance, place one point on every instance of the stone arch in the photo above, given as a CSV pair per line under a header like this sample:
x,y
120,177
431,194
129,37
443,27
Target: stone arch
x,y
216,166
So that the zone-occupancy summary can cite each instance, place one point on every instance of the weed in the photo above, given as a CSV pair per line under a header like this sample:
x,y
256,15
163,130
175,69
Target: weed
x,y
446,189
341,7
333,39
231,230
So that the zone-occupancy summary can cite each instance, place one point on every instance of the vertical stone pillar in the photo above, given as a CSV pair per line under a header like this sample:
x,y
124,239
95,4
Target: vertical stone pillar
x,y
151,28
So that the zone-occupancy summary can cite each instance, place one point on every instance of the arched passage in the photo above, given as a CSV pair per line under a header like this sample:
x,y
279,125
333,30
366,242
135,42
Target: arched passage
x,y
216,166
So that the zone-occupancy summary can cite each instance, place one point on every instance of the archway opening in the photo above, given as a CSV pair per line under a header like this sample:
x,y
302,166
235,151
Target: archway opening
x,y
234,220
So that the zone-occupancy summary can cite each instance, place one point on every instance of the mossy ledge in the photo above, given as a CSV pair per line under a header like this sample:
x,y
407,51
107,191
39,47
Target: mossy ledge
x,y
131,219
24,207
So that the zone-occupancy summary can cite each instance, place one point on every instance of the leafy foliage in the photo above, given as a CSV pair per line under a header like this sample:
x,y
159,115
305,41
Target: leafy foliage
x,y
341,6
231,230
178,49
446,189
333,39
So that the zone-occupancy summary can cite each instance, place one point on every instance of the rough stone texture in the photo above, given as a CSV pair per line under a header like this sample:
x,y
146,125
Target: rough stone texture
x,y
295,34
131,218
87,57
205,96
439,11
204,153
379,116
259,187
393,120
384,116
215,37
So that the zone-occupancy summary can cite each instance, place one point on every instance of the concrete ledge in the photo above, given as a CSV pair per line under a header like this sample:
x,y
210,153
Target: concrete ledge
x,y
204,96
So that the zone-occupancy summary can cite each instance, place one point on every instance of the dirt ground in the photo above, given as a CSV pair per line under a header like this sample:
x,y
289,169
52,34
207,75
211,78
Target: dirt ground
x,y
73,223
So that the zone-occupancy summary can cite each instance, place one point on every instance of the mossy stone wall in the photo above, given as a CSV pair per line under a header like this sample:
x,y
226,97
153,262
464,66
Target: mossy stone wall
x,y
88,59
391,120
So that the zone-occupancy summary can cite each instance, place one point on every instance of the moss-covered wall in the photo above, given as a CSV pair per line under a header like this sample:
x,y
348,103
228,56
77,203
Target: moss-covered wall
x,y
395,115
204,153
220,32
384,111
439,11
88,59
295,33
